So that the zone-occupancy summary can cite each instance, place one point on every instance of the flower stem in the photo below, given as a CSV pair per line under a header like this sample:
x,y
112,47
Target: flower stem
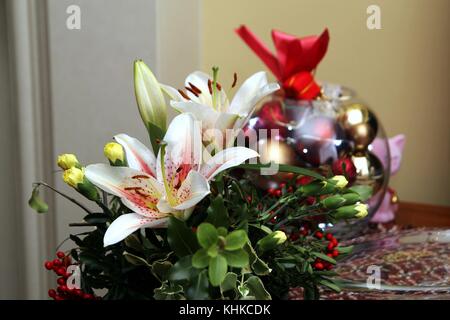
x,y
64,195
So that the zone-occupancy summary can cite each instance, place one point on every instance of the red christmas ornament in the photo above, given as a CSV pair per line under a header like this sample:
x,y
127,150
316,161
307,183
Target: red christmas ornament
x,y
344,166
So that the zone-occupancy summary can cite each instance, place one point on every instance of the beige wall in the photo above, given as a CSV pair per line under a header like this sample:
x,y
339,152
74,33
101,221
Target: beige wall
x,y
402,71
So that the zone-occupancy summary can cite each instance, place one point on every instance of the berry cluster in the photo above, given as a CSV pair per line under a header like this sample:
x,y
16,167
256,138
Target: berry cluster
x,y
63,292
330,248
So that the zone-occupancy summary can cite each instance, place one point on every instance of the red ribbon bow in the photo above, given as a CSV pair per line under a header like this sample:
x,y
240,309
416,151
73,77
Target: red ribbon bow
x,y
294,61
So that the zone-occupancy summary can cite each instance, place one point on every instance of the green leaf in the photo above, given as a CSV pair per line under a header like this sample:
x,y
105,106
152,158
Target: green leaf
x,y
222,231
330,284
283,168
207,235
237,258
235,240
344,250
324,257
161,269
258,266
200,259
229,283
135,260
36,203
169,292
96,218
213,250
183,269
198,290
217,213
365,192
256,288
181,238
217,270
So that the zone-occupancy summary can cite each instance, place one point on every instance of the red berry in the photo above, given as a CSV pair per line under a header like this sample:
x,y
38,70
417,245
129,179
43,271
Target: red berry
x,y
318,235
294,236
310,200
330,255
330,246
282,185
60,254
78,292
61,281
61,271
88,296
278,192
328,236
271,191
335,242
318,265
329,266
59,298
57,262
48,265
335,253
273,219
51,293
290,189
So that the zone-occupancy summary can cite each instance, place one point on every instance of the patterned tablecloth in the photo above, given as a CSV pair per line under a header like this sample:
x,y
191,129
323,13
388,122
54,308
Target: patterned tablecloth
x,y
411,263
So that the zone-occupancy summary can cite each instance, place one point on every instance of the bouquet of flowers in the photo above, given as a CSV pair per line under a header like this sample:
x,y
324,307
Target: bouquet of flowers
x,y
179,217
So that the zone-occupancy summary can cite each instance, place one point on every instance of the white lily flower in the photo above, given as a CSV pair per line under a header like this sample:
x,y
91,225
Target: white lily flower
x,y
210,104
171,184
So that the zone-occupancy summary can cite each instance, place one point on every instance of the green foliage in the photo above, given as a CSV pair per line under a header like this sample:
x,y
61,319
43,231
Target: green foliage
x,y
235,245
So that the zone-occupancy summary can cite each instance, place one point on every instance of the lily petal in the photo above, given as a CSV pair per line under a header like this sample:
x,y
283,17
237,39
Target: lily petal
x,y
126,224
139,157
183,149
193,189
252,90
226,159
138,190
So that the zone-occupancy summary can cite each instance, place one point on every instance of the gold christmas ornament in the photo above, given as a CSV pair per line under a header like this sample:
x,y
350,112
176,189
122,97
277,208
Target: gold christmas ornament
x,y
362,135
276,151
369,171
360,125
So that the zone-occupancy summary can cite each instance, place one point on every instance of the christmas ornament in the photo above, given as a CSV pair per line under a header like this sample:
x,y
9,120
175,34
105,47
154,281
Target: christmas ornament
x,y
369,171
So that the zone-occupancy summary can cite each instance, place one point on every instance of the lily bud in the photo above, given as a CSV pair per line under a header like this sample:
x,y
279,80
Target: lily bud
x,y
75,178
67,160
362,210
339,181
272,240
115,154
336,201
353,211
149,96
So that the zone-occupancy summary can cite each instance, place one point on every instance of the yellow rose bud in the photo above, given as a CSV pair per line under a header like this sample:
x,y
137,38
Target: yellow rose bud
x,y
339,181
361,210
114,152
73,176
67,160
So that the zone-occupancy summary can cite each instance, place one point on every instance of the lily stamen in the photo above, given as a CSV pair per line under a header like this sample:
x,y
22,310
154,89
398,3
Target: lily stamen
x,y
184,95
192,91
234,80
196,89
